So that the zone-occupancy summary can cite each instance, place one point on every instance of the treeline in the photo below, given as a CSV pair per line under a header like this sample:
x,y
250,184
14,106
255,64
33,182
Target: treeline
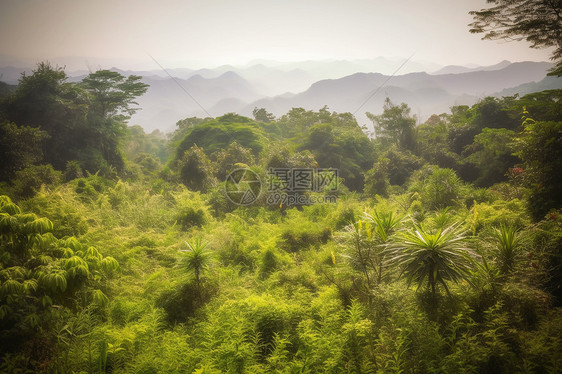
x,y
72,127
81,128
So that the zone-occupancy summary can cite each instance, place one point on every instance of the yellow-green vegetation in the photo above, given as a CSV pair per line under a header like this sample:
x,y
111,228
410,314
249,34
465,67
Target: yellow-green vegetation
x,y
431,260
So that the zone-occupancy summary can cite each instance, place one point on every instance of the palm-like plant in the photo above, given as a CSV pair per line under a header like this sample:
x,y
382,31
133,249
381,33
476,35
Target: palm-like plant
x,y
197,258
366,241
434,258
382,227
359,253
508,242
384,224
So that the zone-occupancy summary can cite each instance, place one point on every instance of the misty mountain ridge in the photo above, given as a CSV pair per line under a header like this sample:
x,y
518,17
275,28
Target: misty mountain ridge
x,y
314,84
459,69
426,94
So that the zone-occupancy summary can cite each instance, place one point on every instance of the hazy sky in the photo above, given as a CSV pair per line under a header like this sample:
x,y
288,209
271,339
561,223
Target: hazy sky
x,y
214,32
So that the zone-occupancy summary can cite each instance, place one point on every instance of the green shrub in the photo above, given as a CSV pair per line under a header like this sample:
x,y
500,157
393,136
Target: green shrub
x,y
441,189
28,182
189,217
73,170
196,171
182,302
297,239
268,263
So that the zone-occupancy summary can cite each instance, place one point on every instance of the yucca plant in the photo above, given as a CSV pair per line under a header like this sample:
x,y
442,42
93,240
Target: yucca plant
x,y
433,257
508,243
380,229
365,244
360,252
196,259
383,225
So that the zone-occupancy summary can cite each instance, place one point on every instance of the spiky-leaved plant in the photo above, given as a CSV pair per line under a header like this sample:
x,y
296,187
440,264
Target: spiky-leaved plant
x,y
508,243
196,259
384,224
433,257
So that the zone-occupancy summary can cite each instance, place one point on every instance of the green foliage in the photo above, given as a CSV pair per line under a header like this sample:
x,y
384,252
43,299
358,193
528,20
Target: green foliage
x,y
197,258
189,217
20,147
263,288
43,277
72,171
366,243
112,97
82,122
543,345
491,153
184,126
27,182
433,145
46,101
216,135
181,304
394,125
510,213
438,188
394,167
377,178
347,149
281,156
539,148
67,216
268,263
508,245
298,120
547,254
137,142
262,115
433,257
196,171
113,94
517,20
466,123
232,157
542,106
299,234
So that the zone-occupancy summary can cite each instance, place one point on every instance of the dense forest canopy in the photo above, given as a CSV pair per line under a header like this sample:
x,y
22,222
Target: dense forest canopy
x,y
428,248
297,244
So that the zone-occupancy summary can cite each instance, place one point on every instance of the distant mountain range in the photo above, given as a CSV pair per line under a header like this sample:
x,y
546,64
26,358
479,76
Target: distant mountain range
x,y
424,93
344,86
457,69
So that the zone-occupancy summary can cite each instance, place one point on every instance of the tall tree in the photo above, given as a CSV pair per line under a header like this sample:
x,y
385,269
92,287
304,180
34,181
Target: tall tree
x,y
395,124
260,114
45,100
537,21
540,149
491,154
114,94
112,102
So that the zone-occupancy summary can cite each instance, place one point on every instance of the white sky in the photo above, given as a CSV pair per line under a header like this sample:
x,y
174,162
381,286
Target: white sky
x,y
214,32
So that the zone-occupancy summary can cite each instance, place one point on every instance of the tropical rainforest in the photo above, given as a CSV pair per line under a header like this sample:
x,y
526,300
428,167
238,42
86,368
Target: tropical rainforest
x,y
121,252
